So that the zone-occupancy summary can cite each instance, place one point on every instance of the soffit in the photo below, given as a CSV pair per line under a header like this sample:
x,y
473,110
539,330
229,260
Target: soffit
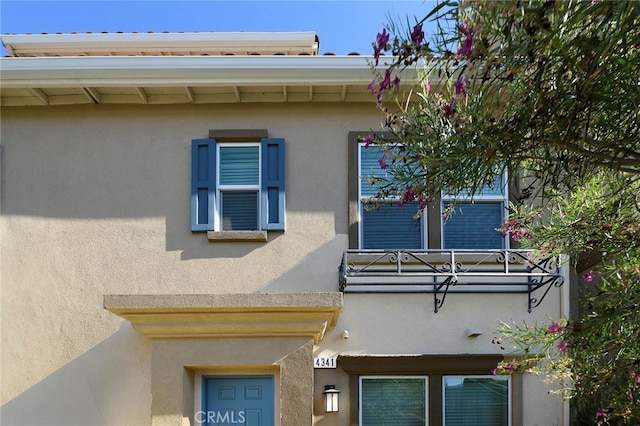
x,y
186,79
229,315
174,68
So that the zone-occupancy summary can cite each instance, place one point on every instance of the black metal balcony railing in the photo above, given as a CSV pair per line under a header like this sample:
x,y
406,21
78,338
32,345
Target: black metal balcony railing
x,y
441,272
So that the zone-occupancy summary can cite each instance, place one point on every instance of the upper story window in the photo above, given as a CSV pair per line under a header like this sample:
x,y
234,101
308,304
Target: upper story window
x,y
237,182
463,222
384,223
471,222
239,186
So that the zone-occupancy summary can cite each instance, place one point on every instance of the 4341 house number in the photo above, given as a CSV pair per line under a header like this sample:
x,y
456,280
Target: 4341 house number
x,y
325,362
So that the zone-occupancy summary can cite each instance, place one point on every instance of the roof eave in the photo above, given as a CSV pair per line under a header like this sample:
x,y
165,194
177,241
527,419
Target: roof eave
x,y
187,70
26,45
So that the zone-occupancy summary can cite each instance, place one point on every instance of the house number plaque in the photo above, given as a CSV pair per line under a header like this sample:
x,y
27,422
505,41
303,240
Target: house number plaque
x,y
325,362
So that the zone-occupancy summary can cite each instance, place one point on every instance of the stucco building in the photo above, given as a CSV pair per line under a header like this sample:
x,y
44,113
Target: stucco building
x,y
184,241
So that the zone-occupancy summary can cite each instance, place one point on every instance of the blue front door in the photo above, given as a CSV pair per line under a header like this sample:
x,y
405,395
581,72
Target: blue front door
x,y
237,400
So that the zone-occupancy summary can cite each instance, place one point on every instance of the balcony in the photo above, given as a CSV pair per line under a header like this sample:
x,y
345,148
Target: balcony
x,y
443,272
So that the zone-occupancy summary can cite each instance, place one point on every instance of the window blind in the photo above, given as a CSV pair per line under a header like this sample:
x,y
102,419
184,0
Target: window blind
x,y
239,211
473,226
239,165
476,401
389,226
393,402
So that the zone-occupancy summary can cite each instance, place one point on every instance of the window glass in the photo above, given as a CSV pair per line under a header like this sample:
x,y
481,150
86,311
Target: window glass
x,y
239,171
384,224
473,225
239,211
239,165
389,226
393,401
480,401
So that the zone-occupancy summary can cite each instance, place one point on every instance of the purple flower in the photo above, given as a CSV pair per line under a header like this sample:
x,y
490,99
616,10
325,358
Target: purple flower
x,y
396,82
601,413
381,44
417,35
368,140
466,49
382,38
589,276
407,197
562,346
460,85
383,163
386,81
450,109
376,54
520,233
555,328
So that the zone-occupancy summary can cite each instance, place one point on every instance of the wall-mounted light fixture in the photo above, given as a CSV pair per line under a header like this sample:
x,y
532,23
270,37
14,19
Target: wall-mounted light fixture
x,y
474,332
330,399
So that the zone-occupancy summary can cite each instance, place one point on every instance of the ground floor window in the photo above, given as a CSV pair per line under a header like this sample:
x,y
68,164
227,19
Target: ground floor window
x,y
393,401
476,400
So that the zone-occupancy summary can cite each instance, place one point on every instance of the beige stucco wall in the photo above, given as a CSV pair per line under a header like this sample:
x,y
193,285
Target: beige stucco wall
x,y
96,200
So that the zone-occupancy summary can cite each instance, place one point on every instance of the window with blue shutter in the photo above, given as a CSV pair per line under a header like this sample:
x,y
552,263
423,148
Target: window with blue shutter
x,y
237,186
383,223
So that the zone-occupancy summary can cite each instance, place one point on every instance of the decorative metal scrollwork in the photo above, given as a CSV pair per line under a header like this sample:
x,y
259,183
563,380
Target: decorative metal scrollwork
x,y
447,271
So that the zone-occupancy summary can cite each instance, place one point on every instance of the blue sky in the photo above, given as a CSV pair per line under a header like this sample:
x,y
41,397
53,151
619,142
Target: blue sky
x,y
343,26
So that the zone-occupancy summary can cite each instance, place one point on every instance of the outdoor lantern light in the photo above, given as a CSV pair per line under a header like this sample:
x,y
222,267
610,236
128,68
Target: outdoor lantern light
x,y
330,399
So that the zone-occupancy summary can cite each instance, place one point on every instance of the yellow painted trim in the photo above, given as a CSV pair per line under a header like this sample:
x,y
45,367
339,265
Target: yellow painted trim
x,y
216,316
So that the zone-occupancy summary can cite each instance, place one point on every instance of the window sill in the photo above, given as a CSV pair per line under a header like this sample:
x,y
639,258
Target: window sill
x,y
237,236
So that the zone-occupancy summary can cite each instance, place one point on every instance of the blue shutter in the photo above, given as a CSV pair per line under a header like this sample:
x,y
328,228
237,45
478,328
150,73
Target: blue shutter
x,y
272,191
473,226
203,184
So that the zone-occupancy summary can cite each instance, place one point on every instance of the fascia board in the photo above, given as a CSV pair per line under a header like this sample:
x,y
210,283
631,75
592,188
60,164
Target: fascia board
x,y
26,44
187,70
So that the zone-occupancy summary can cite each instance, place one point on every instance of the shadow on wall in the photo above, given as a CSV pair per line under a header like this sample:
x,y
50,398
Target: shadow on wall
x,y
77,393
318,271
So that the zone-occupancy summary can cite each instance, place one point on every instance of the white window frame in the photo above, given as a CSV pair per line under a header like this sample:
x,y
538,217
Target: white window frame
x,y
220,188
423,219
426,393
479,376
480,198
